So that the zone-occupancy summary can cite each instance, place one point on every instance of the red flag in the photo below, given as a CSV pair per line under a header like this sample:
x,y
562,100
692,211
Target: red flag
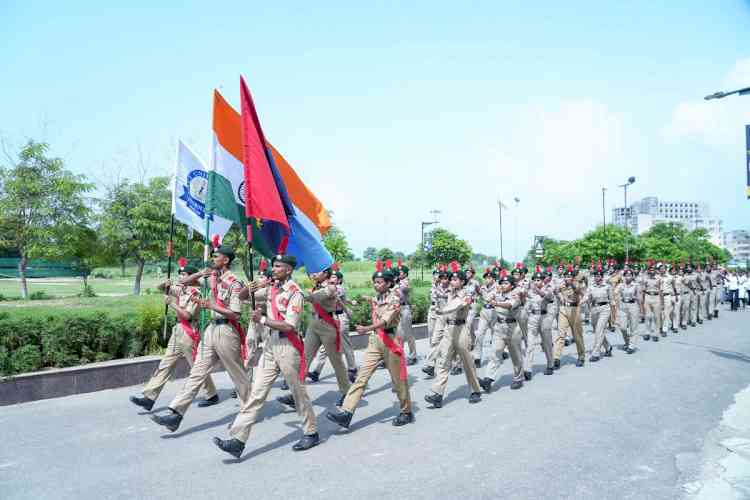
x,y
262,200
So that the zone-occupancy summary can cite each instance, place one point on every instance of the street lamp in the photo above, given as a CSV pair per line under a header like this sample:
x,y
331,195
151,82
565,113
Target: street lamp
x,y
604,222
721,95
434,214
500,206
631,180
517,200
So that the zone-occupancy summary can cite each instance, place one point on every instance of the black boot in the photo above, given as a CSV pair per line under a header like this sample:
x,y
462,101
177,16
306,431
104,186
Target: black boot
x,y
580,363
700,321
284,385
517,384
403,419
567,341
143,402
411,361
233,394
308,441
593,359
343,418
647,337
313,376
716,313
557,364
655,338
234,447
527,375
683,327
674,330
475,397
477,363
548,371
352,374
608,352
429,371
486,384
663,334
457,370
340,402
436,400
287,400
171,421
630,350
213,400
505,355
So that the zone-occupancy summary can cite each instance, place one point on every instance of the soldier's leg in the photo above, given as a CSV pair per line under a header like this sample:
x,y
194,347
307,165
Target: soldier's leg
x,y
265,377
485,324
186,347
492,370
463,346
633,321
533,341
599,319
514,339
564,329
228,349
707,302
166,367
445,359
328,339
577,327
657,315
200,371
546,334
393,364
370,361
320,360
407,332
288,360
346,343
693,307
435,341
312,343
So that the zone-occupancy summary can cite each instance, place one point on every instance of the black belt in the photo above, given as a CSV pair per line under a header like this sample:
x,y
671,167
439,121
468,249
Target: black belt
x,y
602,303
455,322
630,301
538,311
489,306
220,321
433,303
389,331
665,294
506,320
341,311
404,303
652,293
570,304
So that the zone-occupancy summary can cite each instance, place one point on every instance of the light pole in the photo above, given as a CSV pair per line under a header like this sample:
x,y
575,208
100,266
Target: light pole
x,y
604,222
500,207
434,214
721,95
631,180
517,200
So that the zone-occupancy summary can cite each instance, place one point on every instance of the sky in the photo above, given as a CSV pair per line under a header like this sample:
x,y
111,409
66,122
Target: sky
x,y
392,109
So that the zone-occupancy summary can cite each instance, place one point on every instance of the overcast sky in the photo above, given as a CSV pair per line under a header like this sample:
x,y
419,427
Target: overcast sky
x,y
393,109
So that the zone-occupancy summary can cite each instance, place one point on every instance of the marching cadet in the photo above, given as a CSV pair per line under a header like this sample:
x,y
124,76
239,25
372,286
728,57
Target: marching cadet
x,y
682,304
600,299
652,302
487,317
284,353
553,308
406,332
384,346
438,298
717,279
693,286
224,339
456,340
614,279
582,278
323,330
183,343
472,289
540,299
569,295
506,333
631,309
700,293
708,290
669,292
521,286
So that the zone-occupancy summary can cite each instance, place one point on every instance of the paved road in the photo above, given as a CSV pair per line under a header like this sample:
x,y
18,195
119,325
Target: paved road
x,y
626,427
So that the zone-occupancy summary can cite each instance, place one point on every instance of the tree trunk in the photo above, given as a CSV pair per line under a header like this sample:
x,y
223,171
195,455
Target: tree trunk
x,y
122,267
22,274
138,275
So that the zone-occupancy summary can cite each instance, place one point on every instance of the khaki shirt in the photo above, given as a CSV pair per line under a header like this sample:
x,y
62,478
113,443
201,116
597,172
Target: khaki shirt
x,y
487,293
513,298
600,293
652,286
184,295
323,295
388,309
289,302
629,293
438,296
535,302
457,305
228,289
568,294
667,284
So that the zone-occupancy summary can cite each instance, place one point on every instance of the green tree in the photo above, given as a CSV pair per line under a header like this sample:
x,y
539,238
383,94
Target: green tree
x,y
335,242
42,207
447,247
370,253
386,253
135,223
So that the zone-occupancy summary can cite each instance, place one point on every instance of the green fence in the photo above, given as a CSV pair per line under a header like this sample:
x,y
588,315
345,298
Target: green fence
x,y
38,269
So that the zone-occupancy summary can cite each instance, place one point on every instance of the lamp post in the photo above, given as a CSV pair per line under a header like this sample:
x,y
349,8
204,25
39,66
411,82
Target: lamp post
x,y
721,95
500,206
434,214
604,222
631,180
517,200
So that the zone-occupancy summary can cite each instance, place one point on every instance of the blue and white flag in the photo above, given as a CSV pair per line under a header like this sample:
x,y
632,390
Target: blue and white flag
x,y
189,193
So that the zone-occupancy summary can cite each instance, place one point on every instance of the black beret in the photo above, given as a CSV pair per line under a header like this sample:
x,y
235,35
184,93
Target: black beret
x,y
225,250
189,269
285,259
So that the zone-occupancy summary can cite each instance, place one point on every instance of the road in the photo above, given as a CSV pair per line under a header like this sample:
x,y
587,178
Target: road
x,y
631,426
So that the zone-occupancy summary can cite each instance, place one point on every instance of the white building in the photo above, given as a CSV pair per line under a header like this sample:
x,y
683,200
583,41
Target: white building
x,y
643,214
738,244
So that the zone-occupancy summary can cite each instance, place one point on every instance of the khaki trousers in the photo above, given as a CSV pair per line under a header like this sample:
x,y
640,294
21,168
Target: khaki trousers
x,y
707,303
375,353
487,320
438,331
652,304
667,314
255,335
615,309
629,319
220,344
279,356
346,348
569,321
506,334
179,346
693,308
456,341
600,321
539,337
321,334
683,309
406,332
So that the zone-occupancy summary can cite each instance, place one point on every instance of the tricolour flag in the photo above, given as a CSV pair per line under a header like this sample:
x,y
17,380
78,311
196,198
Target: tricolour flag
x,y
190,191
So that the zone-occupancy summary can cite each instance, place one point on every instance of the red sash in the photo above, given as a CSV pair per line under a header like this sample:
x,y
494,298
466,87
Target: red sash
x,y
235,324
392,346
326,317
193,334
292,335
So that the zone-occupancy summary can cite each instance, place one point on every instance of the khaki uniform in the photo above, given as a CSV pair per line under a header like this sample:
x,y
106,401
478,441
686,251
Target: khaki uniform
x,y
669,294
691,281
717,281
682,303
506,333
387,310
221,343
708,291
280,356
569,319
405,330
614,280
472,290
652,304
256,334
487,318
539,326
522,288
180,346
700,295
456,342
600,299
582,279
347,349
630,311
438,297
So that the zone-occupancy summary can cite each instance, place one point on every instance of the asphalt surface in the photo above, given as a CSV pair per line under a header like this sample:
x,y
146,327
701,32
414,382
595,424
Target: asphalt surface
x,y
631,426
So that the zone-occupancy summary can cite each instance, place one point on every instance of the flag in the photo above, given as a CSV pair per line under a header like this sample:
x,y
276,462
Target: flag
x,y
263,205
189,193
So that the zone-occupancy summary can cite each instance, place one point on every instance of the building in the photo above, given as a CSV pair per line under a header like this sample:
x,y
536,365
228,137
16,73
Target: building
x,y
738,244
641,215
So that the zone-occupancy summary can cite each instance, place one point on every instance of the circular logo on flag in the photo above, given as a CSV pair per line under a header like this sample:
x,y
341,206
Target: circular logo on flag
x,y
241,193
198,185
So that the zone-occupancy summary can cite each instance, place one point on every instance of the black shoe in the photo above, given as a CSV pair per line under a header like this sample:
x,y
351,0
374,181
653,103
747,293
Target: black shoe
x,y
352,375
233,394
663,334
655,338
213,400
674,330
647,337
429,371
593,359
403,419
143,402
709,317
556,366
436,400
608,352
700,321
516,385
343,418
475,397
579,363
284,386
567,342
716,313
171,421
477,363
457,370
486,384
548,371
586,321
411,361
287,400
381,366
611,328
630,350
505,355
683,327
234,447
692,324
643,320
527,375
340,402
313,376
308,441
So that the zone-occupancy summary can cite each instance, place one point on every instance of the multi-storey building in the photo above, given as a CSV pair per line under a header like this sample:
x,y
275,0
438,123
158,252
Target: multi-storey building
x,y
738,244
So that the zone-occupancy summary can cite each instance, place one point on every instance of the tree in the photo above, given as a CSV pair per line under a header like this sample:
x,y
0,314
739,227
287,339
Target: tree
x,y
370,253
335,242
386,253
447,247
135,222
42,207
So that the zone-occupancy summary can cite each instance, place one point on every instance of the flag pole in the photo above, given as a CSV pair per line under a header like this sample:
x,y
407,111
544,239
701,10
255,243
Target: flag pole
x,y
250,252
170,253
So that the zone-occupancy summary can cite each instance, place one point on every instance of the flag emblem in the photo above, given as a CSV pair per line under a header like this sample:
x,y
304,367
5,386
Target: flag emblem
x,y
194,194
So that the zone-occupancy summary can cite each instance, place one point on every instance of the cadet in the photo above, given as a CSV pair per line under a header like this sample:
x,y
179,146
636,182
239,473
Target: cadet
x,y
652,303
438,298
487,317
693,287
224,339
700,294
456,340
717,279
541,297
183,343
708,286
614,279
682,304
406,332
600,299
384,346
569,295
284,353
631,307
669,292
506,333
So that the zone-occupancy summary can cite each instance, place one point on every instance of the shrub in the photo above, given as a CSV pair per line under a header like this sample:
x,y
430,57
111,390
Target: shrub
x,y
2,298
40,295
26,359
87,292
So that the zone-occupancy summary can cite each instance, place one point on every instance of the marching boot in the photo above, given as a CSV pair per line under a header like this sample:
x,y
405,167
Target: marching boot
x,y
608,352
171,421
435,399
313,376
517,384
549,371
143,402
475,397
556,366
403,419
343,418
580,363
477,363
527,375
647,337
287,400
429,371
716,313
486,384
307,442
234,447
213,400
